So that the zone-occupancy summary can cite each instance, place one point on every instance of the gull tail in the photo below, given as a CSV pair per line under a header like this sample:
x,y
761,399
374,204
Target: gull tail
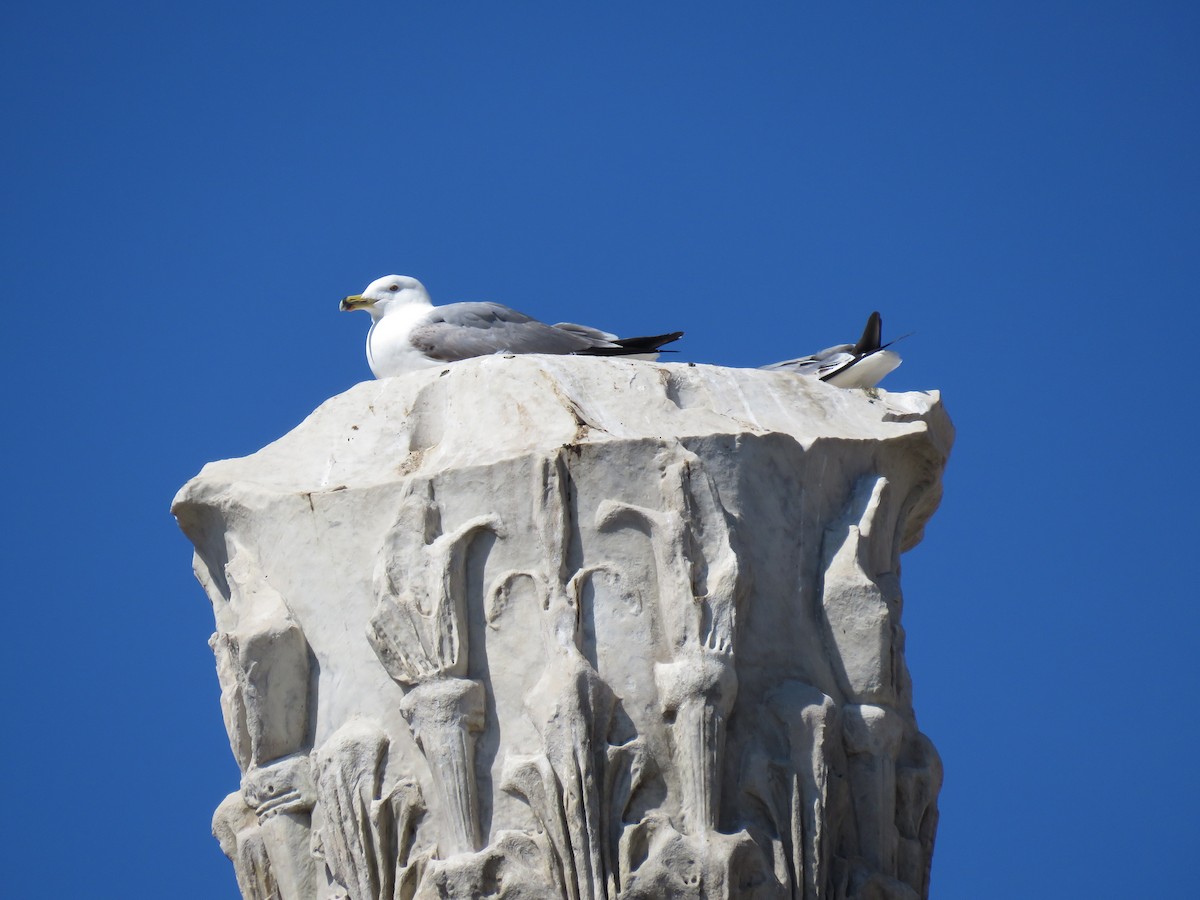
x,y
634,345
872,336
869,359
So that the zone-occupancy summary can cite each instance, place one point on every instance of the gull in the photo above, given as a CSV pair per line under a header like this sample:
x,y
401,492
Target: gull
x,y
408,332
860,365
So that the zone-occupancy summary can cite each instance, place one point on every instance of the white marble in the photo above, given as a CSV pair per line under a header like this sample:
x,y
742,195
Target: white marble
x,y
572,627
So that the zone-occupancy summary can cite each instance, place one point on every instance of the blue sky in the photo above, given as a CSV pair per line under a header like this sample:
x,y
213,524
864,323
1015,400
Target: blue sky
x,y
189,190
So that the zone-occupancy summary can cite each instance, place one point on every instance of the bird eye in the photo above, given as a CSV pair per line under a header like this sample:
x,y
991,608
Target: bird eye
x,y
394,287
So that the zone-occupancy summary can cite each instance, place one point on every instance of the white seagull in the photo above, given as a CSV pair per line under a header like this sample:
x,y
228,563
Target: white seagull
x,y
860,365
408,332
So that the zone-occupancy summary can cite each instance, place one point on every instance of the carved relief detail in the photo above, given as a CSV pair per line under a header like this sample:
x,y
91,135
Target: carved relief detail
x,y
263,669
419,633
698,590
799,786
579,786
366,834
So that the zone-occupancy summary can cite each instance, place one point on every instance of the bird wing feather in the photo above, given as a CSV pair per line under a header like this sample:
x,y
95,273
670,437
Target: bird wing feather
x,y
817,364
463,330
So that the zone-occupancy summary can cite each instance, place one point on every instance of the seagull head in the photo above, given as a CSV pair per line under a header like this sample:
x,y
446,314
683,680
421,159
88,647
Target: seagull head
x,y
385,294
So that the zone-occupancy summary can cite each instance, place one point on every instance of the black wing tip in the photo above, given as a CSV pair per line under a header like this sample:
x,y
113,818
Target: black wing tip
x,y
647,344
634,345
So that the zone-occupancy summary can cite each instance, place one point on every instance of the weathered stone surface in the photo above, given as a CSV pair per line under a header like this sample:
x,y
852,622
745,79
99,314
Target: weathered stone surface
x,y
558,626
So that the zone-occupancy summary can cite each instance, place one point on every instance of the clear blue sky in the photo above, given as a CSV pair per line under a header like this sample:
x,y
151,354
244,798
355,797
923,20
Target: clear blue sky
x,y
189,190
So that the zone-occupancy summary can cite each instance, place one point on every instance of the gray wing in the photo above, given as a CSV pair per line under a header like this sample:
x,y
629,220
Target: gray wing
x,y
819,364
587,331
462,330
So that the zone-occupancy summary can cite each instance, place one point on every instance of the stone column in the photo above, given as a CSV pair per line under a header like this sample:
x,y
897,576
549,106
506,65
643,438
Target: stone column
x,y
579,628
